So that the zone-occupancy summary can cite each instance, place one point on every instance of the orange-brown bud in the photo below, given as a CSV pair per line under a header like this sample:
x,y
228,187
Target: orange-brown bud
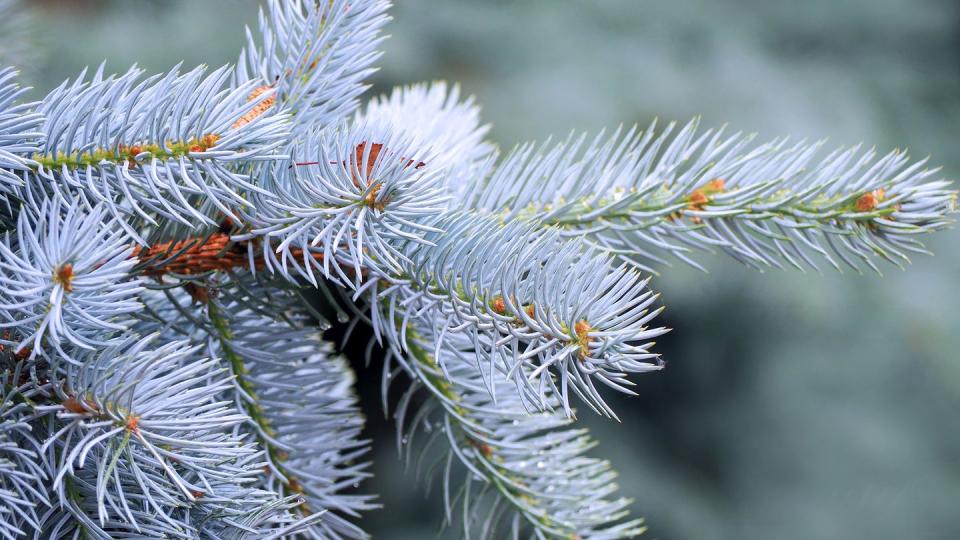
x,y
371,199
697,198
498,305
866,203
77,406
209,140
258,109
63,276
582,330
717,184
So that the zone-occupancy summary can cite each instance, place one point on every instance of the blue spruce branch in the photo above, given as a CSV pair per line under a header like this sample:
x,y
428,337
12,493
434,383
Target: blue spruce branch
x,y
165,375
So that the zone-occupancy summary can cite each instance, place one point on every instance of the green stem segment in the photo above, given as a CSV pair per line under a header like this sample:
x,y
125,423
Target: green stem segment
x,y
664,205
121,154
264,431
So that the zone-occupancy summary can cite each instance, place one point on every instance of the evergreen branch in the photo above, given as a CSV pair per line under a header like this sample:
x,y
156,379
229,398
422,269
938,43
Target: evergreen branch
x,y
532,464
314,416
354,191
351,192
111,425
296,394
135,439
473,275
536,307
195,256
642,194
153,148
64,279
316,55
227,511
437,123
287,485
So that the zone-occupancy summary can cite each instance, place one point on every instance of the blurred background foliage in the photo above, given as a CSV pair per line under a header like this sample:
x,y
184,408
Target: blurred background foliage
x,y
794,406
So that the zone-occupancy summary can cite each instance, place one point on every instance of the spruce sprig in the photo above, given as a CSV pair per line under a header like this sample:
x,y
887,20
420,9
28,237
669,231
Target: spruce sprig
x,y
164,374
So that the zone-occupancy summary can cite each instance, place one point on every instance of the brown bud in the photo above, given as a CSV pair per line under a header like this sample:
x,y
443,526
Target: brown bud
x,y
717,184
64,276
77,406
866,203
498,305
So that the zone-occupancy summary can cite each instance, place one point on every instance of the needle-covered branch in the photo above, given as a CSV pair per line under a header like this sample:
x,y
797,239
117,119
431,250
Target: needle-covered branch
x,y
314,55
555,317
134,438
163,375
162,148
524,475
64,280
641,194
296,393
352,193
